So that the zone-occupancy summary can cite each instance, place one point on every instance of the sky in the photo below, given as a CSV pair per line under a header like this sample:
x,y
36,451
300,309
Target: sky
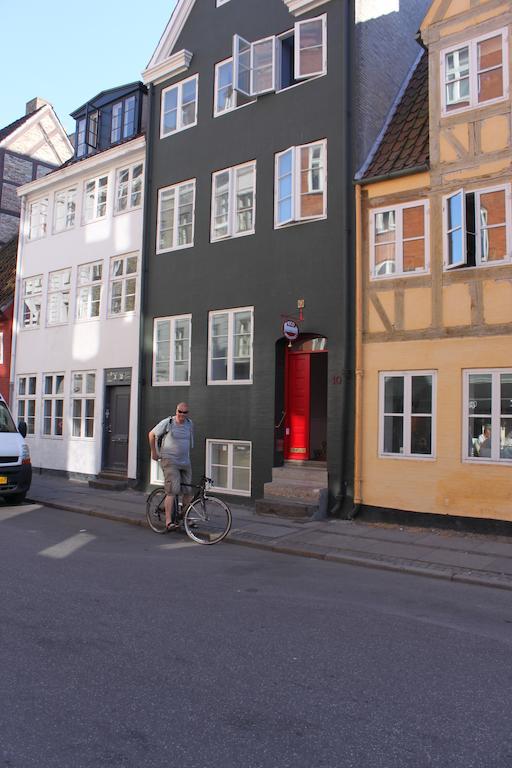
x,y
67,52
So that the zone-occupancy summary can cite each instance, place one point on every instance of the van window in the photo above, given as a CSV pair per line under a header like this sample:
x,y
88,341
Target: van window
x,y
6,422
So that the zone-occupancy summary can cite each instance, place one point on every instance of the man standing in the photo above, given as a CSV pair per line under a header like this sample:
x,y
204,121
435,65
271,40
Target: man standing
x,y
174,454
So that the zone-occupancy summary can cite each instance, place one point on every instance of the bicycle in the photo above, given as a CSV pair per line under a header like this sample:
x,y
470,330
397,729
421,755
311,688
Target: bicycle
x,y
207,519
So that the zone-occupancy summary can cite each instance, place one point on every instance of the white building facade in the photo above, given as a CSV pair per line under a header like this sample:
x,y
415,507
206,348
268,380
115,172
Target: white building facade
x,y
75,365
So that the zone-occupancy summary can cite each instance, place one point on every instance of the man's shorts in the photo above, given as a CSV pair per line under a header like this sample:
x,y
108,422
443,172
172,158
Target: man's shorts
x,y
174,476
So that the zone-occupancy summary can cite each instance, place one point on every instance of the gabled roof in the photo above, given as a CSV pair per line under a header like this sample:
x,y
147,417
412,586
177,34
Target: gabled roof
x,y
5,132
8,255
404,144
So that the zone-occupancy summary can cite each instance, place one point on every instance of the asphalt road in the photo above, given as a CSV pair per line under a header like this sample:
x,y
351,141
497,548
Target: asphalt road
x,y
120,648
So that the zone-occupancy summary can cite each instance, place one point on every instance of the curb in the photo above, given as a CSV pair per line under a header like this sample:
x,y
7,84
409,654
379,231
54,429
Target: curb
x,y
383,563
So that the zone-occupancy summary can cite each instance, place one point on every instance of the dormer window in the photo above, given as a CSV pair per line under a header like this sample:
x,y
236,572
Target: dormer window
x,y
273,63
123,120
87,133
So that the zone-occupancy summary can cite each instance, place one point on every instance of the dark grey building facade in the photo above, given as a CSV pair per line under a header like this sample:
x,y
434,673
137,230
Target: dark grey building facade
x,y
249,206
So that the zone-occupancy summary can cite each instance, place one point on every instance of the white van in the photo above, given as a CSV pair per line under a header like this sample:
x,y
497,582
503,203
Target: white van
x,y
15,466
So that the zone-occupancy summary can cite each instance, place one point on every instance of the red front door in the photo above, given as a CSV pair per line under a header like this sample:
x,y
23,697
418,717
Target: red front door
x,y
297,406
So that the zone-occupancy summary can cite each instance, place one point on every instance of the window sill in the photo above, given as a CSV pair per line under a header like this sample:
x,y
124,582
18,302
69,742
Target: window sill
x,y
445,113
175,248
170,384
233,237
178,130
229,491
301,82
404,457
298,223
228,383
399,275
57,325
487,461
234,109
128,210
61,231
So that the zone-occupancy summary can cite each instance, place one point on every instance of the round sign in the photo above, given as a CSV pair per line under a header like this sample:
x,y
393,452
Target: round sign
x,y
290,329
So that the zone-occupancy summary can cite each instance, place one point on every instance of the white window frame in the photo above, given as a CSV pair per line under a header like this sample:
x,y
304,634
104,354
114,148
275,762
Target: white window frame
x,y
38,219
179,106
298,26
234,95
221,2
82,396
24,399
30,293
230,380
87,286
472,45
479,260
296,190
407,377
68,199
98,201
230,444
122,279
170,381
232,199
129,185
399,239
53,398
495,416
177,191
60,293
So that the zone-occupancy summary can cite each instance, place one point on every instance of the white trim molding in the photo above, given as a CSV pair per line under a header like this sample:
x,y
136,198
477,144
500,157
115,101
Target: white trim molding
x,y
163,70
171,33
297,7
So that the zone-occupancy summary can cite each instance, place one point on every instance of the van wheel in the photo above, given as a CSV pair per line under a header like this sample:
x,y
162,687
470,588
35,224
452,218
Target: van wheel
x,y
16,498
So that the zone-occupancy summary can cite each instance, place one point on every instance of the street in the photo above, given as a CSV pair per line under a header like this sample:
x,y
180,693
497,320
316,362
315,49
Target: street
x,y
122,648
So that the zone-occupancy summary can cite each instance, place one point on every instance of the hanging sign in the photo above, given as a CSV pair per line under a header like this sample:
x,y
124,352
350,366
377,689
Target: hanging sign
x,y
290,329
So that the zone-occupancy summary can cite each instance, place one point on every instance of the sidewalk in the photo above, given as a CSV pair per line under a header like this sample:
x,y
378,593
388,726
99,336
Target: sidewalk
x,y
464,557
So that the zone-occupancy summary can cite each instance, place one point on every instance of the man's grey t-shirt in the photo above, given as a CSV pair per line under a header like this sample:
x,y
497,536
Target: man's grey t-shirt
x,y
177,442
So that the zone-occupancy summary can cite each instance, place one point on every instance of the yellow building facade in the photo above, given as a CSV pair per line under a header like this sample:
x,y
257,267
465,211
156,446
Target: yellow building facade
x,y
434,278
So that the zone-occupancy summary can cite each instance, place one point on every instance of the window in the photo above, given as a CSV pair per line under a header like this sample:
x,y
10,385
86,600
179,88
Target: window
x,y
230,346
88,292
57,307
475,73
273,62
176,216
53,404
123,284
488,416
129,187
171,350
32,298
179,107
83,385
96,198
300,186
228,463
406,414
27,402
38,219
123,120
64,209
477,227
233,201
399,243
226,98
81,146
92,129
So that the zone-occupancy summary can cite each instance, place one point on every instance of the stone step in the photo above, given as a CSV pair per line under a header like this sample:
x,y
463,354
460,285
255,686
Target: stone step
x,y
109,484
317,474
307,493
292,508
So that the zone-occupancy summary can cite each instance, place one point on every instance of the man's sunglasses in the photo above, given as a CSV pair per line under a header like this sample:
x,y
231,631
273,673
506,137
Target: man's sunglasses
x,y
184,412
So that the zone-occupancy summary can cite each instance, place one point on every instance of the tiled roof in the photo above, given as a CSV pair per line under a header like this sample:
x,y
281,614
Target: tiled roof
x,y
5,132
8,254
404,144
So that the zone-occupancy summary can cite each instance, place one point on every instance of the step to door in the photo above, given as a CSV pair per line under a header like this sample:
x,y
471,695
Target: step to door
x,y
107,482
301,491
291,509
285,473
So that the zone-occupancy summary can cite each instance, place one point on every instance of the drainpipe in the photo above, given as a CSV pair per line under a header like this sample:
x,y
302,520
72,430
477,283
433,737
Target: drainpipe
x,y
358,431
17,303
142,445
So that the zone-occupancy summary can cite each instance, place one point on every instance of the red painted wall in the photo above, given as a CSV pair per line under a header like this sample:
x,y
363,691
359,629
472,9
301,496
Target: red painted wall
x,y
5,367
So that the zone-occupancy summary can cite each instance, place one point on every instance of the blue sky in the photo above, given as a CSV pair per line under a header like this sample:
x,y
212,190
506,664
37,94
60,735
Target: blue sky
x,y
67,52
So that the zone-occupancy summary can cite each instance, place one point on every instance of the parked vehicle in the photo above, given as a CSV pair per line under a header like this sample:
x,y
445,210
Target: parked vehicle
x,y
15,466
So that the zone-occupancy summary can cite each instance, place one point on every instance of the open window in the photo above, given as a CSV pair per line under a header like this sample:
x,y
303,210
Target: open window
x,y
273,63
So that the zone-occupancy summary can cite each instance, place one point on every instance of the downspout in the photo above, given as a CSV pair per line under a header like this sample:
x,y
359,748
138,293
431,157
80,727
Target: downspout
x,y
359,365
347,415
17,302
142,447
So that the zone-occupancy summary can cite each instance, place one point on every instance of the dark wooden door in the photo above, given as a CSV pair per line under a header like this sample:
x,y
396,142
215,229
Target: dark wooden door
x,y
297,406
116,429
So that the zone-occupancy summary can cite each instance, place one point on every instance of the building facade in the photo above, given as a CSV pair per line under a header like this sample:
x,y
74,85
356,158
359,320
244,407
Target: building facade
x,y
76,345
249,226
434,405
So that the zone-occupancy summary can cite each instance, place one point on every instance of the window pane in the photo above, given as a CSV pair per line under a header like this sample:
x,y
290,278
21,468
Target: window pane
x,y
421,393
493,236
188,114
263,68
393,394
48,385
22,383
244,199
480,438
455,247
311,49
32,385
90,382
220,477
219,454
393,434
170,109
480,393
241,479
385,259
490,58
311,182
241,455
244,66
414,255
77,383
166,228
421,435
455,211
506,438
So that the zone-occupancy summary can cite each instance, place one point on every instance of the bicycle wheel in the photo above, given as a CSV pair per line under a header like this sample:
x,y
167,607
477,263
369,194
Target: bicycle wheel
x,y
155,511
207,520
